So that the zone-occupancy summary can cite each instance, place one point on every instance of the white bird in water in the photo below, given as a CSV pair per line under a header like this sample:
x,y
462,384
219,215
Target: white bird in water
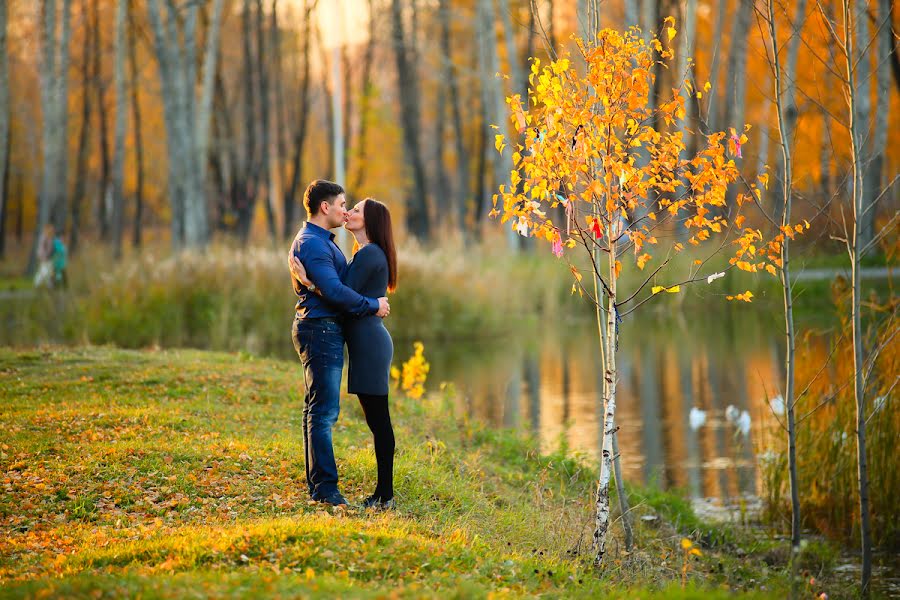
x,y
777,404
743,423
696,418
732,414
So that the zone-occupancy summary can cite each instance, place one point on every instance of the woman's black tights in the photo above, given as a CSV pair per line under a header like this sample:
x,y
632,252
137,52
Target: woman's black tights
x,y
378,417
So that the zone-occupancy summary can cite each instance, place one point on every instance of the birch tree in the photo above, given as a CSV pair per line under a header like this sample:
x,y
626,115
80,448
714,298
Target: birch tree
x,y
175,44
788,111
81,157
785,83
408,90
4,124
449,76
300,131
883,46
118,172
492,92
136,232
712,95
581,140
736,96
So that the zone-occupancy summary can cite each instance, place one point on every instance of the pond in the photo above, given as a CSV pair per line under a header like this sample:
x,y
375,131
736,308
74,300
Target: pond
x,y
725,368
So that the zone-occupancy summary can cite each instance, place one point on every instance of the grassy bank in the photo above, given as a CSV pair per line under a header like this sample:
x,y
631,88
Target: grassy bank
x,y
158,473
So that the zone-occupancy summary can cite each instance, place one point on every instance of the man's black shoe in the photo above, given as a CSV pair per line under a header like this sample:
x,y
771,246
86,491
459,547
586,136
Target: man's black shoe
x,y
336,499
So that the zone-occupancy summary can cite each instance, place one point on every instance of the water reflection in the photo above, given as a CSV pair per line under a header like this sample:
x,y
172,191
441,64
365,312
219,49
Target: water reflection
x,y
549,380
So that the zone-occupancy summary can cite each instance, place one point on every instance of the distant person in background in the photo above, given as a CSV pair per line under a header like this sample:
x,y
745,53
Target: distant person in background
x,y
44,275
59,259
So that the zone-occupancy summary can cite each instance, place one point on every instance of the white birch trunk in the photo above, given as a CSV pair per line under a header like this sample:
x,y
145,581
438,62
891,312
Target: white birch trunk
x,y
204,111
120,127
60,207
784,103
718,35
496,103
737,77
788,109
164,46
857,94
602,521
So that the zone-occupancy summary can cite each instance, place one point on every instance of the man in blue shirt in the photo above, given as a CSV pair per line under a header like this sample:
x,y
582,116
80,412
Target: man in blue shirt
x,y
317,333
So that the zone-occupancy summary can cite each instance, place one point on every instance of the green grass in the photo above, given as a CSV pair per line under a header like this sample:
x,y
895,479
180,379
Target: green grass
x,y
161,473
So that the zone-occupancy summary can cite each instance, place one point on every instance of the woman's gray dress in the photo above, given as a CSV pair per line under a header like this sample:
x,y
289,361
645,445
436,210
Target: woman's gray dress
x,y
369,344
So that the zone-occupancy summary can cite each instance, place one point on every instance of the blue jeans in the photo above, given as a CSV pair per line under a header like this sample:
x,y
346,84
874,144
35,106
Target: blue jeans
x,y
320,345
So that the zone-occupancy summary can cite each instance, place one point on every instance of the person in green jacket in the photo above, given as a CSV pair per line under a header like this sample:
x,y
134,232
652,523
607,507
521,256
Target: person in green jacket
x,y
60,260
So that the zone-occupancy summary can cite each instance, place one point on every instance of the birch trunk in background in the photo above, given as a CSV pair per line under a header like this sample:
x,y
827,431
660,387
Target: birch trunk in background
x,y
118,170
299,136
883,45
685,52
737,77
712,101
61,206
863,116
462,155
359,168
136,233
494,100
631,13
262,69
786,111
81,158
408,89
204,111
857,93
175,46
649,22
103,201
4,124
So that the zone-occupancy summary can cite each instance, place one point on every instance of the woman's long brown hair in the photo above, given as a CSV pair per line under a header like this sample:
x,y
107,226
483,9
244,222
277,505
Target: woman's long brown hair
x,y
377,219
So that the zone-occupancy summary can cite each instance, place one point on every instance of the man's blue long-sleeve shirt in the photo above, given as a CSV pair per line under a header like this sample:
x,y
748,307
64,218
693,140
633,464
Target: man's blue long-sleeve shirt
x,y
325,265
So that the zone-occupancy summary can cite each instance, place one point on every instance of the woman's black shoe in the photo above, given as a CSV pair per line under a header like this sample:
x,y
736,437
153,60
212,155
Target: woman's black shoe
x,y
378,503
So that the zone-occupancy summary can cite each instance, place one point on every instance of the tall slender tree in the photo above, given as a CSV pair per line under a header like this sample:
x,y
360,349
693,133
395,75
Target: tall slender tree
x,y
265,165
449,76
408,89
4,125
176,51
883,46
81,159
367,94
785,84
736,96
300,131
137,224
105,197
121,125
789,100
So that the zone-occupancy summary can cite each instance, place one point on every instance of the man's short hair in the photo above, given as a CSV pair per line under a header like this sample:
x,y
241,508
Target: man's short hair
x,y
320,191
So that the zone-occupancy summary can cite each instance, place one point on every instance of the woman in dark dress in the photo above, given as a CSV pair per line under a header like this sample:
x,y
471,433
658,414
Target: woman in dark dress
x,y
372,272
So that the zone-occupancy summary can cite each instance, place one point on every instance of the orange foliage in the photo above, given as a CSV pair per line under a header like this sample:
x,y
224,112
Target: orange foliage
x,y
590,145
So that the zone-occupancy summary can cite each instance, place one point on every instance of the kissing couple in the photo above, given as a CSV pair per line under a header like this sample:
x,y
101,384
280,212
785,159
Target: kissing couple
x,y
342,302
